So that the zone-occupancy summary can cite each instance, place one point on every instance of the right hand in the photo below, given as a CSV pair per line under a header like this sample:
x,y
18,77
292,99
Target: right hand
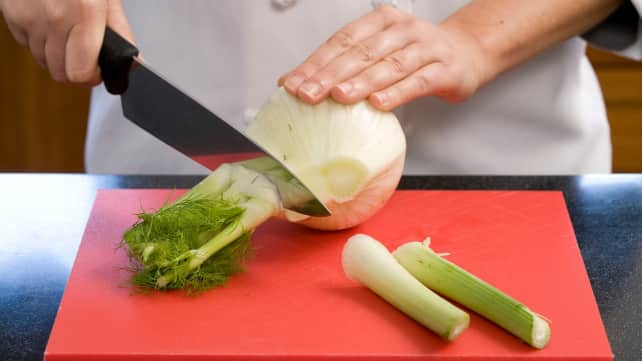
x,y
65,36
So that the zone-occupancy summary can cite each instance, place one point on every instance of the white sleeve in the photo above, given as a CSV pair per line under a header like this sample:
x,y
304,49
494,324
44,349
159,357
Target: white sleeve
x,y
621,32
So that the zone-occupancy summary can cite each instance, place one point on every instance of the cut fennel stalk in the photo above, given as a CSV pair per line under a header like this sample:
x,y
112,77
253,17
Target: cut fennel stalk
x,y
459,285
367,261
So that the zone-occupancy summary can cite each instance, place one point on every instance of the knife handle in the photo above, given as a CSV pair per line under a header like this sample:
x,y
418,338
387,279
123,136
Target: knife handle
x,y
115,60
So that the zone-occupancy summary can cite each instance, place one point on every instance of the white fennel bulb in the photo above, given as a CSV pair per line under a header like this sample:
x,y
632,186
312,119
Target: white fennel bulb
x,y
351,156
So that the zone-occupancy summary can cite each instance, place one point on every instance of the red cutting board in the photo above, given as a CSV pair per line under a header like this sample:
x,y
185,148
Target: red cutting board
x,y
294,302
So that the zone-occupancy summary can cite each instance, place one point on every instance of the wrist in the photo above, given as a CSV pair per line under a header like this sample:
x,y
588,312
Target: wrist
x,y
507,32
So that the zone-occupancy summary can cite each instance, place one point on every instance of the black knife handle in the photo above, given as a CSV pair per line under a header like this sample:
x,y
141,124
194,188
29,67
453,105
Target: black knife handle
x,y
115,60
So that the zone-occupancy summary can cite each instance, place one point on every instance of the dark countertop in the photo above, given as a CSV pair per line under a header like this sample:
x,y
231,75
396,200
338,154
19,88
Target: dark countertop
x,y
43,217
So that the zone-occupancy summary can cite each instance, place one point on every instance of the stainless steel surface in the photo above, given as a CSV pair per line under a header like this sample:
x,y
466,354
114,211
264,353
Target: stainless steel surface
x,y
169,114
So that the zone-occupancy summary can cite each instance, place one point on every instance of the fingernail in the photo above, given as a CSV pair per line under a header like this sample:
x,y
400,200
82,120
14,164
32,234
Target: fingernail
x,y
311,89
345,88
382,98
294,81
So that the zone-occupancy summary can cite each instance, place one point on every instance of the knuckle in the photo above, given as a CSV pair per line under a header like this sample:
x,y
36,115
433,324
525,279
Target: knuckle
x,y
55,14
81,75
422,83
442,51
415,25
424,31
307,69
392,13
341,39
397,62
363,52
86,7
388,10
310,66
324,79
394,96
20,17
297,73
87,4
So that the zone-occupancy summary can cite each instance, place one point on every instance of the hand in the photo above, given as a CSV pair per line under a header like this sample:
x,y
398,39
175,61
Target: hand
x,y
390,58
65,36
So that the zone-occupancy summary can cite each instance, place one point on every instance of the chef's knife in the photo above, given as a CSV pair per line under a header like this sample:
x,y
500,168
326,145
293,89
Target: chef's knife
x,y
175,118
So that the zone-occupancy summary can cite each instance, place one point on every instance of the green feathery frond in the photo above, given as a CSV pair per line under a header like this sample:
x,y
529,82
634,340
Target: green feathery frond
x,y
163,244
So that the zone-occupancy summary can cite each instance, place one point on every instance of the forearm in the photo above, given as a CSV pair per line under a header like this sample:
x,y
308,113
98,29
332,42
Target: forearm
x,y
509,32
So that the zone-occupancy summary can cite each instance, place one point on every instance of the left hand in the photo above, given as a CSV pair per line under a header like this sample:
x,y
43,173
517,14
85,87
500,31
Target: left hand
x,y
390,58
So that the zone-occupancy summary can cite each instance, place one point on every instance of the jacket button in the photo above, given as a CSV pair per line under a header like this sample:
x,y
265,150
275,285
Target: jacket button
x,y
282,5
403,5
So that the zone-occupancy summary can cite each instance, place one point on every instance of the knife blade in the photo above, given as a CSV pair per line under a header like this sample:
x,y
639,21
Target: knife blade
x,y
162,109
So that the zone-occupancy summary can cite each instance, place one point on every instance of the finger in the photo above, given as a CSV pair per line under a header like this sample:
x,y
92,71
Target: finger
x,y
429,80
83,45
356,59
18,20
37,48
341,41
55,57
18,34
59,24
24,21
385,73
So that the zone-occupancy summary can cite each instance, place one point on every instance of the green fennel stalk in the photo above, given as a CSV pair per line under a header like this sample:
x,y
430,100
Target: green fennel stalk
x,y
452,281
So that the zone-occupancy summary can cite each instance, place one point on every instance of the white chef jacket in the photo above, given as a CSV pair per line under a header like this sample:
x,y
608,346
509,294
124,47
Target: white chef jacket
x,y
546,116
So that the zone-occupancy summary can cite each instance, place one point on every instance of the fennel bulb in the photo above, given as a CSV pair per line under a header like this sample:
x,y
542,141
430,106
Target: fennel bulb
x,y
351,156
